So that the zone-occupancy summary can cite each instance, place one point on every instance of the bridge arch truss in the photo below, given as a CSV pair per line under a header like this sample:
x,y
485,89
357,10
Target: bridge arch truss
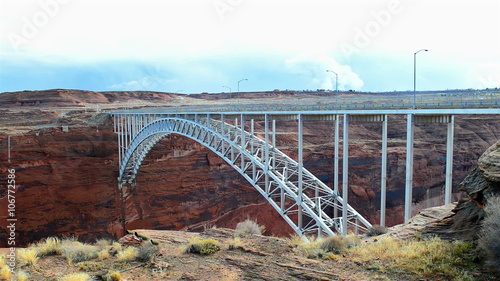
x,y
304,202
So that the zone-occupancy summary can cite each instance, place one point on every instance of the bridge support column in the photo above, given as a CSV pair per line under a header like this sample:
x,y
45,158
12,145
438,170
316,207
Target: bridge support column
x,y
409,166
266,168
345,171
223,129
118,135
274,143
242,137
252,146
124,133
336,164
231,137
449,160
383,177
129,130
300,168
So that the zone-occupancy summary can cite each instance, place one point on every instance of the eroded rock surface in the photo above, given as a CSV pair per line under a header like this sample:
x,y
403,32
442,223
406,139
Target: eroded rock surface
x,y
480,185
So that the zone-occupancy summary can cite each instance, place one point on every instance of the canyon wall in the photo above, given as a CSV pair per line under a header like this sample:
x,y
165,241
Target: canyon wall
x,y
67,181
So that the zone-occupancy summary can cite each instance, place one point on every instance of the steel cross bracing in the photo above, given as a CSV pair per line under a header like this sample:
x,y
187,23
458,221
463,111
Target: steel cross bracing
x,y
306,203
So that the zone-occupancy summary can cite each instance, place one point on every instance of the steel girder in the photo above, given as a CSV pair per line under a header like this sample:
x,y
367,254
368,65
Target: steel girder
x,y
275,177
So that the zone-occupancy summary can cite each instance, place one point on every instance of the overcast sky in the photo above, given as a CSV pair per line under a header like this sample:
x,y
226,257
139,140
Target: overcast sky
x,y
193,46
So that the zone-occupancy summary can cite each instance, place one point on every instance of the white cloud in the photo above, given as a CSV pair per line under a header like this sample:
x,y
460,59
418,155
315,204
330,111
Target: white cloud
x,y
145,83
485,75
314,68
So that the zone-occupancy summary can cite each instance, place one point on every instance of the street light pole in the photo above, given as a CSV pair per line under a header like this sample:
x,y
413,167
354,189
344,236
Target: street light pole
x,y
239,90
230,92
336,80
415,76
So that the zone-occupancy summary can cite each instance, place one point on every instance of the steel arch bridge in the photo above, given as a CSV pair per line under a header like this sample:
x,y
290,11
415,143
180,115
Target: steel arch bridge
x,y
304,201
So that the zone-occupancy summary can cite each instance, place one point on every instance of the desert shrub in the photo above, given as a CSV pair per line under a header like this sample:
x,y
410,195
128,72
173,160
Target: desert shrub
x,y
295,241
48,247
385,248
26,257
103,254
128,254
104,244
376,230
334,244
91,266
22,276
424,259
114,276
489,240
76,277
313,250
248,227
5,273
235,244
70,240
202,247
115,248
147,252
76,252
324,247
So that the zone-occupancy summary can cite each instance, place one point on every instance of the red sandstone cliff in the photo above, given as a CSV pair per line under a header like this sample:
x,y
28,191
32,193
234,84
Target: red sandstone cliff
x,y
67,180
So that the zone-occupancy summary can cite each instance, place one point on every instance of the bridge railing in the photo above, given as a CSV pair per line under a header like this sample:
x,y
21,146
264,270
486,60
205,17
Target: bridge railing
x,y
429,101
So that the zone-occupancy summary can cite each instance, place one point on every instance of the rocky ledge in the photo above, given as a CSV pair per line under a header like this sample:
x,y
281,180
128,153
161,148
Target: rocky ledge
x,y
481,184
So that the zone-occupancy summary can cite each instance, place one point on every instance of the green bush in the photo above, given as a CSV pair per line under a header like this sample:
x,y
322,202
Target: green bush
x,y
202,247
489,239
